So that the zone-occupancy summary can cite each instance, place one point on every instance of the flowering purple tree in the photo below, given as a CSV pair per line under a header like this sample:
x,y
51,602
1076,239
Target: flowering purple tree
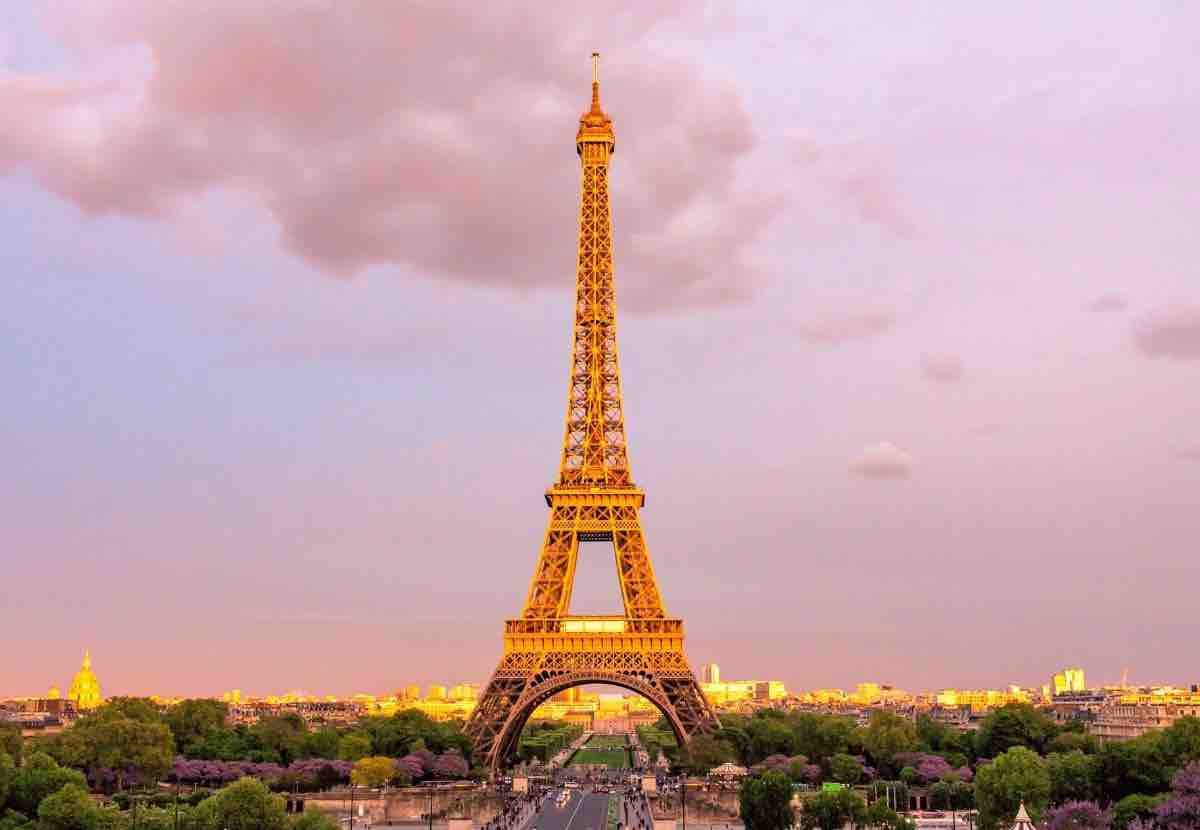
x,y
450,765
1182,811
1077,815
413,766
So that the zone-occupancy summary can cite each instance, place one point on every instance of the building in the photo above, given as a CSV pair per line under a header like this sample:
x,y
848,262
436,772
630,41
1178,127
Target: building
x,y
710,673
85,688
1122,721
1068,680
436,692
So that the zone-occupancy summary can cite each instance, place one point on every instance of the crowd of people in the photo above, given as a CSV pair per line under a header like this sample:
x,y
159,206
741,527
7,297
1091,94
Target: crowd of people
x,y
515,813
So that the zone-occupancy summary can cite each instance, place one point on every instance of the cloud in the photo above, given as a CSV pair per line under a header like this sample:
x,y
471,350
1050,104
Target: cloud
x,y
882,461
837,329
942,368
1107,302
1170,333
432,136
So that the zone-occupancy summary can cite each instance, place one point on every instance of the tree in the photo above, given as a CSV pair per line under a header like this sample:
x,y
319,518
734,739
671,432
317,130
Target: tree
x,y
845,769
192,721
1182,810
8,773
1135,807
373,772
314,820
282,738
704,752
832,810
1072,777
1129,767
10,741
37,778
246,804
1018,775
1072,741
70,809
126,734
1017,724
1077,815
765,801
450,765
354,747
885,735
322,743
880,815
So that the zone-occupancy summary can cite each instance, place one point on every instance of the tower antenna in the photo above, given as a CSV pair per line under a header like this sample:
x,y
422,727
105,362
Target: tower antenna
x,y
595,67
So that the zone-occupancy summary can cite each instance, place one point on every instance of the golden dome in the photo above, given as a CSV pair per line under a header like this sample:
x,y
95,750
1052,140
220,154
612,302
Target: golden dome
x,y
85,688
53,694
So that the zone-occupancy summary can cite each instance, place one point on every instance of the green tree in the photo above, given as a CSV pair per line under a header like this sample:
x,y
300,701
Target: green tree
x,y
832,810
123,735
8,773
323,743
765,801
909,775
12,820
1181,741
704,752
1017,724
1073,776
1136,806
246,804
353,747
1000,787
314,819
281,738
10,741
71,808
845,769
1130,767
193,721
880,815
770,736
1072,742
820,737
374,771
37,778
886,734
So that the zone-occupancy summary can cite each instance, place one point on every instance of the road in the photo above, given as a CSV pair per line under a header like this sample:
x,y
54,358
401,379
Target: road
x,y
585,811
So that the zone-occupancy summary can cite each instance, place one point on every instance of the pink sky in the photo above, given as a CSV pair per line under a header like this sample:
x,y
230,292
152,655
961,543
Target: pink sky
x,y
910,320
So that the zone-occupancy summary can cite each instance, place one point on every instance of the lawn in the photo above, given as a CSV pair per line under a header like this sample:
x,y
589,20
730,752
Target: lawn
x,y
610,750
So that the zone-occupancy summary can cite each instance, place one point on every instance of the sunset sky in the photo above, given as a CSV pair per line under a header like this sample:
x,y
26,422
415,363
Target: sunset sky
x,y
909,311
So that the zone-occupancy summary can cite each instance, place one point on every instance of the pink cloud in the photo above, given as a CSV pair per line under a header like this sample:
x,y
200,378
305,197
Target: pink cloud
x,y
1171,333
373,136
837,329
942,368
882,461
1108,302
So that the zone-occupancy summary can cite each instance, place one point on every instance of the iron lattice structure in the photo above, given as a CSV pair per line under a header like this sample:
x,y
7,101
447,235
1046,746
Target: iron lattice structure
x,y
547,650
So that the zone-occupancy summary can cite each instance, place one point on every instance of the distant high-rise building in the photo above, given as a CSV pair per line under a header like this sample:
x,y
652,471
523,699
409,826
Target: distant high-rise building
x,y
1068,680
710,673
412,692
436,692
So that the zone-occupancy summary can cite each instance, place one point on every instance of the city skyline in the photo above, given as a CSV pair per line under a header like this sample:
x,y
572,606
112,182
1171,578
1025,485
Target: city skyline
x,y
911,375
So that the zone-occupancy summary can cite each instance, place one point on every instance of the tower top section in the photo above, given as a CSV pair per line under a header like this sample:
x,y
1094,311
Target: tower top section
x,y
594,125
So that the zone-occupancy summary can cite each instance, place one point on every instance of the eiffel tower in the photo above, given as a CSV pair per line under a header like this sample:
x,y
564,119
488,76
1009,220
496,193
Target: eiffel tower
x,y
547,650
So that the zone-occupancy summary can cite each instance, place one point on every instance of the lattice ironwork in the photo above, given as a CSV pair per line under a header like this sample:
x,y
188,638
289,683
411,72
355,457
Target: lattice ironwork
x,y
594,499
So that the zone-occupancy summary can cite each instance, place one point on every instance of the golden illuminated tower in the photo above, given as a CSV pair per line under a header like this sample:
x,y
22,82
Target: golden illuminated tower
x,y
547,650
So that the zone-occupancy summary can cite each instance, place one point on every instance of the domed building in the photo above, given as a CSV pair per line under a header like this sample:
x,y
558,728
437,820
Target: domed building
x,y
85,688
53,694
